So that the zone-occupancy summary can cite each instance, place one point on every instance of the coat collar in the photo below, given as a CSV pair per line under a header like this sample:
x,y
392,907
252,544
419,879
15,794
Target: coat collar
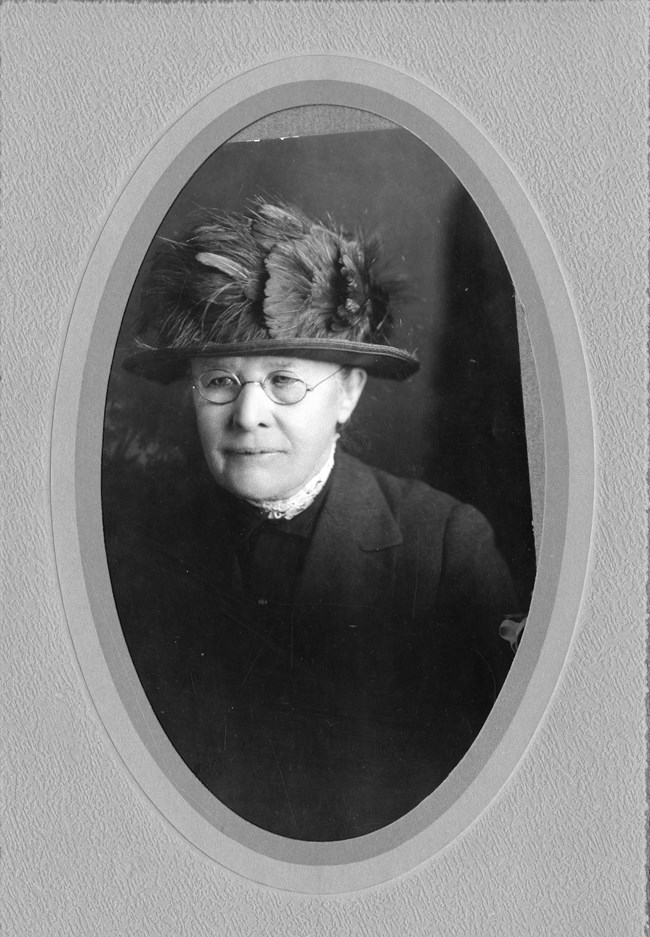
x,y
349,565
356,508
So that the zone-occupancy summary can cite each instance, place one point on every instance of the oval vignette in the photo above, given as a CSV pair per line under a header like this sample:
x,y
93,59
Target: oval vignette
x,y
265,703
265,857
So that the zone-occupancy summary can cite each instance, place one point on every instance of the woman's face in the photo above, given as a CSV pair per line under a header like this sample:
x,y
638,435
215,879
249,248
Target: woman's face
x,y
261,450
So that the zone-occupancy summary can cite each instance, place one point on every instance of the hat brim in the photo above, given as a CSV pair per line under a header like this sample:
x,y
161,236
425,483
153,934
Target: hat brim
x,y
169,364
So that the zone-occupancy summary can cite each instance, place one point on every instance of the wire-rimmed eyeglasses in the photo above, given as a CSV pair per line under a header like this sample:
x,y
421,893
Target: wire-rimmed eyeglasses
x,y
282,387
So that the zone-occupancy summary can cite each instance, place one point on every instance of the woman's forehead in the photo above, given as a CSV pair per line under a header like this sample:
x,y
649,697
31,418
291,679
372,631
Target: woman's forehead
x,y
257,363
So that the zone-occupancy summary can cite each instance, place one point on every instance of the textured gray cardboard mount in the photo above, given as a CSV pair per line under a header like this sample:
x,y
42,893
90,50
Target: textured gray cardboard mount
x,y
567,448
560,90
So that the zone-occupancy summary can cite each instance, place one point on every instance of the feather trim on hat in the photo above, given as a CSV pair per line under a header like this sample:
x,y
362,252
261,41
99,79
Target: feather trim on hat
x,y
366,309
274,224
208,286
274,273
298,301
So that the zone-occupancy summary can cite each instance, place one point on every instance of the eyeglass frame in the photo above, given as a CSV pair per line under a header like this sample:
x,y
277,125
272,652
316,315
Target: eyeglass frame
x,y
241,384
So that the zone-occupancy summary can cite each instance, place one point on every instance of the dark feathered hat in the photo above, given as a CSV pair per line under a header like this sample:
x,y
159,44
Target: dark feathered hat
x,y
268,281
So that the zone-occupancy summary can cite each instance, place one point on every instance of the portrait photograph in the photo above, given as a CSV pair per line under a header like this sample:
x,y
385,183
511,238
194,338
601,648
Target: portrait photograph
x,y
325,424
315,488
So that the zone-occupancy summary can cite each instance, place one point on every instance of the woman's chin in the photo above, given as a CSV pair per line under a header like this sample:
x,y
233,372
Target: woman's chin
x,y
255,485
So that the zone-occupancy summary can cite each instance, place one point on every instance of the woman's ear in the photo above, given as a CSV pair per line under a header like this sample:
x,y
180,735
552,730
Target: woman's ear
x,y
352,384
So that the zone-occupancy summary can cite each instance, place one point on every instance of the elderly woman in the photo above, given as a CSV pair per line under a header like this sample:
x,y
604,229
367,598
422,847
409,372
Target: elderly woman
x,y
318,639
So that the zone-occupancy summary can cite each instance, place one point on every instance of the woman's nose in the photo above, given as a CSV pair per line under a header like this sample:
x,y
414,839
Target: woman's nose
x,y
252,408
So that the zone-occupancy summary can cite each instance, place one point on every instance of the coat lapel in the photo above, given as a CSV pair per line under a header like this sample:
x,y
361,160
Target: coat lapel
x,y
349,569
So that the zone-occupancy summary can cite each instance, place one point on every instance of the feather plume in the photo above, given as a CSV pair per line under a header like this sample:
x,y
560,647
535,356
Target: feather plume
x,y
273,273
230,267
287,292
208,287
276,224
367,306
298,301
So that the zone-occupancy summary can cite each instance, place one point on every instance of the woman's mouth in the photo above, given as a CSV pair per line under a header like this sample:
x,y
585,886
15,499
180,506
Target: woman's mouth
x,y
251,452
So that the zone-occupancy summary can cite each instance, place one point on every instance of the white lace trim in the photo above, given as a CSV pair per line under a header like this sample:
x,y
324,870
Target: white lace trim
x,y
286,508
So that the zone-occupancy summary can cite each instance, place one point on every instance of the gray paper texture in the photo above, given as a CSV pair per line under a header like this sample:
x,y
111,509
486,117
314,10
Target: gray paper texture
x,y
556,844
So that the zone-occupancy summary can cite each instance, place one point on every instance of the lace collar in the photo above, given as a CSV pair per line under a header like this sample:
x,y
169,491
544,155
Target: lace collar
x,y
286,508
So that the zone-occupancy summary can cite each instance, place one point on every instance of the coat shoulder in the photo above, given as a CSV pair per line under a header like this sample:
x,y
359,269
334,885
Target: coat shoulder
x,y
427,518
405,497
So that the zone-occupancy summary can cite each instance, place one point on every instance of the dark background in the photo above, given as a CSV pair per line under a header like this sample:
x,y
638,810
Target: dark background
x,y
458,424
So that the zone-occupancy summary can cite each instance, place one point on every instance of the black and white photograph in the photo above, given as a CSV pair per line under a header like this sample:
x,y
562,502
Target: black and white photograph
x,y
325,446
316,503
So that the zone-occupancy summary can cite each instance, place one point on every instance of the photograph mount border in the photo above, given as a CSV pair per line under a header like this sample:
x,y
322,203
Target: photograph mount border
x,y
76,453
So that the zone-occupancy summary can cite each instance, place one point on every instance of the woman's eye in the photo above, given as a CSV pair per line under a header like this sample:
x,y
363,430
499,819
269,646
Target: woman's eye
x,y
220,380
282,380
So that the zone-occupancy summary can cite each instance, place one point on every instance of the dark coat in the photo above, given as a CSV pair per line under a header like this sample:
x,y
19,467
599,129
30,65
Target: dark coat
x,y
334,715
